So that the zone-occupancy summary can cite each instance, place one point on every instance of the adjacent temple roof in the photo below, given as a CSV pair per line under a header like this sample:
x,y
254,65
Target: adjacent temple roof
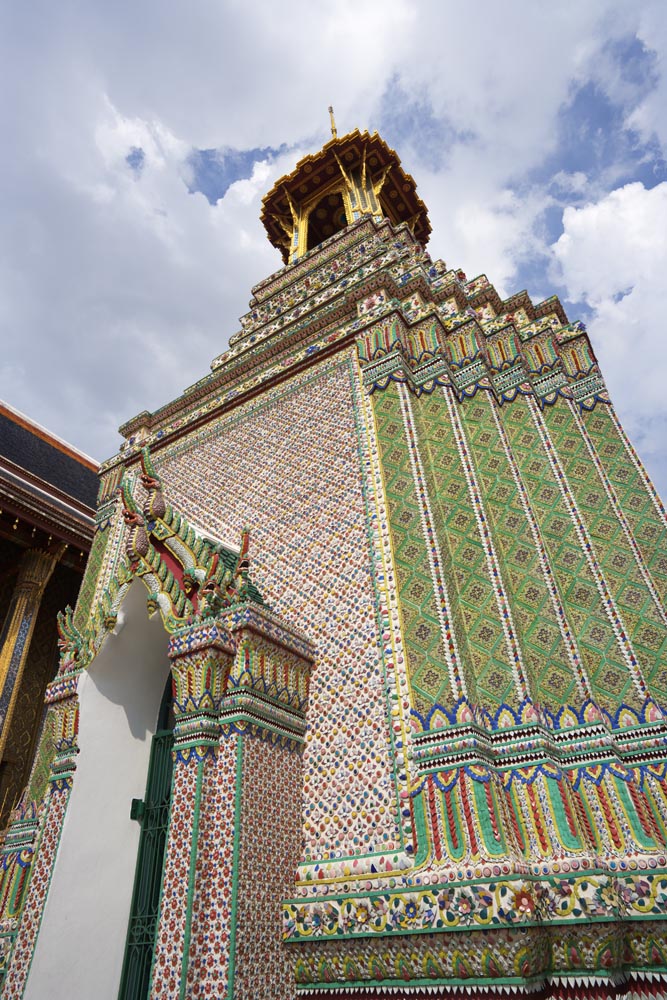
x,y
45,482
351,176
38,451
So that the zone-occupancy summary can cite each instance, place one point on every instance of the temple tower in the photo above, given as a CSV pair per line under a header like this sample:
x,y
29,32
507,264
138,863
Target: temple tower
x,y
417,731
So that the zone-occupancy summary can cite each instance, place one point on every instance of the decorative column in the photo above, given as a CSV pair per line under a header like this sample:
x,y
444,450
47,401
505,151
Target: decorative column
x,y
201,658
16,858
35,570
37,836
241,688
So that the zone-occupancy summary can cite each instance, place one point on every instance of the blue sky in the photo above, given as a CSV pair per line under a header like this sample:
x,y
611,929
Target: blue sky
x,y
213,171
142,142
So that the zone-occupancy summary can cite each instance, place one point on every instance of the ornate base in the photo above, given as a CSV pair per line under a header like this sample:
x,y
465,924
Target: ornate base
x,y
635,987
597,960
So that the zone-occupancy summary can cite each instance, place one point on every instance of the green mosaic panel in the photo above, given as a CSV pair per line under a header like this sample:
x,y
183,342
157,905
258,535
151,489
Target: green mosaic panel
x,y
607,671
457,613
89,582
479,629
427,667
648,530
41,768
643,623
552,682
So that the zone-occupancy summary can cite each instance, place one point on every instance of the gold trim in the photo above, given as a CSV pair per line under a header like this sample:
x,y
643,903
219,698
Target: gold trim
x,y
334,130
35,572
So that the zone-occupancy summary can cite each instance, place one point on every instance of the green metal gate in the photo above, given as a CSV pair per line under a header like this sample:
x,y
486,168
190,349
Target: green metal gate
x,y
153,813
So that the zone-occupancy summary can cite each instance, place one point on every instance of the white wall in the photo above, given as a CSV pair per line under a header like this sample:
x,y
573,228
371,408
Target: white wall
x,y
80,946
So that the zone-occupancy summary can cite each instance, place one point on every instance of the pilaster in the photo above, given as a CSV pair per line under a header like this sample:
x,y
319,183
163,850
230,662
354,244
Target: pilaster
x,y
240,690
201,657
35,833
16,858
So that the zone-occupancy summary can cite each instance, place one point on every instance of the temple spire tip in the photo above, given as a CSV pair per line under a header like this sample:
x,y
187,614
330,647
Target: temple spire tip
x,y
334,130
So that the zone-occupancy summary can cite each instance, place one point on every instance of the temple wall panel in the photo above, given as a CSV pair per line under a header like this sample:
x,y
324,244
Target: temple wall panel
x,y
194,953
182,888
599,645
422,566
464,527
636,496
42,869
288,466
550,678
236,811
480,631
269,843
423,959
622,564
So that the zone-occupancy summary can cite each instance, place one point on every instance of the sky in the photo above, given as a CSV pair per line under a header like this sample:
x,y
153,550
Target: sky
x,y
139,139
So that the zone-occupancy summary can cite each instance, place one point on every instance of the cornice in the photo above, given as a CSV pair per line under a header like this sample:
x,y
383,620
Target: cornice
x,y
45,507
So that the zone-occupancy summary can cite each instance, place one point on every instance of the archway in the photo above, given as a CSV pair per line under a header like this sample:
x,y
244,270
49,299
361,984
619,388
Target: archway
x,y
80,947
326,218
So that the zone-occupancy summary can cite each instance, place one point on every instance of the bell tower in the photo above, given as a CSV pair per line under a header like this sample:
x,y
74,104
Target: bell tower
x,y
351,176
422,748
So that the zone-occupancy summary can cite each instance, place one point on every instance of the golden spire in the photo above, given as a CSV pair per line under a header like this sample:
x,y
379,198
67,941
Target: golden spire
x,y
352,176
334,131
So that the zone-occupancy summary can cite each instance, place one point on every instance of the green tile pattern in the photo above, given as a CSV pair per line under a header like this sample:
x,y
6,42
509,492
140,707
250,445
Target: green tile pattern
x,y
90,576
648,528
643,623
607,671
429,678
550,675
479,632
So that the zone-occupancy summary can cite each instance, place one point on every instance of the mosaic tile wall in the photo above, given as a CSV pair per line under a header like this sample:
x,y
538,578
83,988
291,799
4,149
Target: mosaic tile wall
x,y
549,678
563,645
620,561
290,469
247,854
207,952
602,652
269,840
423,960
463,959
91,574
642,507
167,970
562,627
421,604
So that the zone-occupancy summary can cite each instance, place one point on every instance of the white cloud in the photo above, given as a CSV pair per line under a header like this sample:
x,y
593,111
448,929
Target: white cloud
x,y
503,90
613,256
570,183
649,116
614,244
490,233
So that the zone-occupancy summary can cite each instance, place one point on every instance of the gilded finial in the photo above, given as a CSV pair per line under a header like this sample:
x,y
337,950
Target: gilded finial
x,y
334,131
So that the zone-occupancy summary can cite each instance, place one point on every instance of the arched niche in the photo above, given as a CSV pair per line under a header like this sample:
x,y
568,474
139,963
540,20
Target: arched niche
x,y
80,946
326,217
